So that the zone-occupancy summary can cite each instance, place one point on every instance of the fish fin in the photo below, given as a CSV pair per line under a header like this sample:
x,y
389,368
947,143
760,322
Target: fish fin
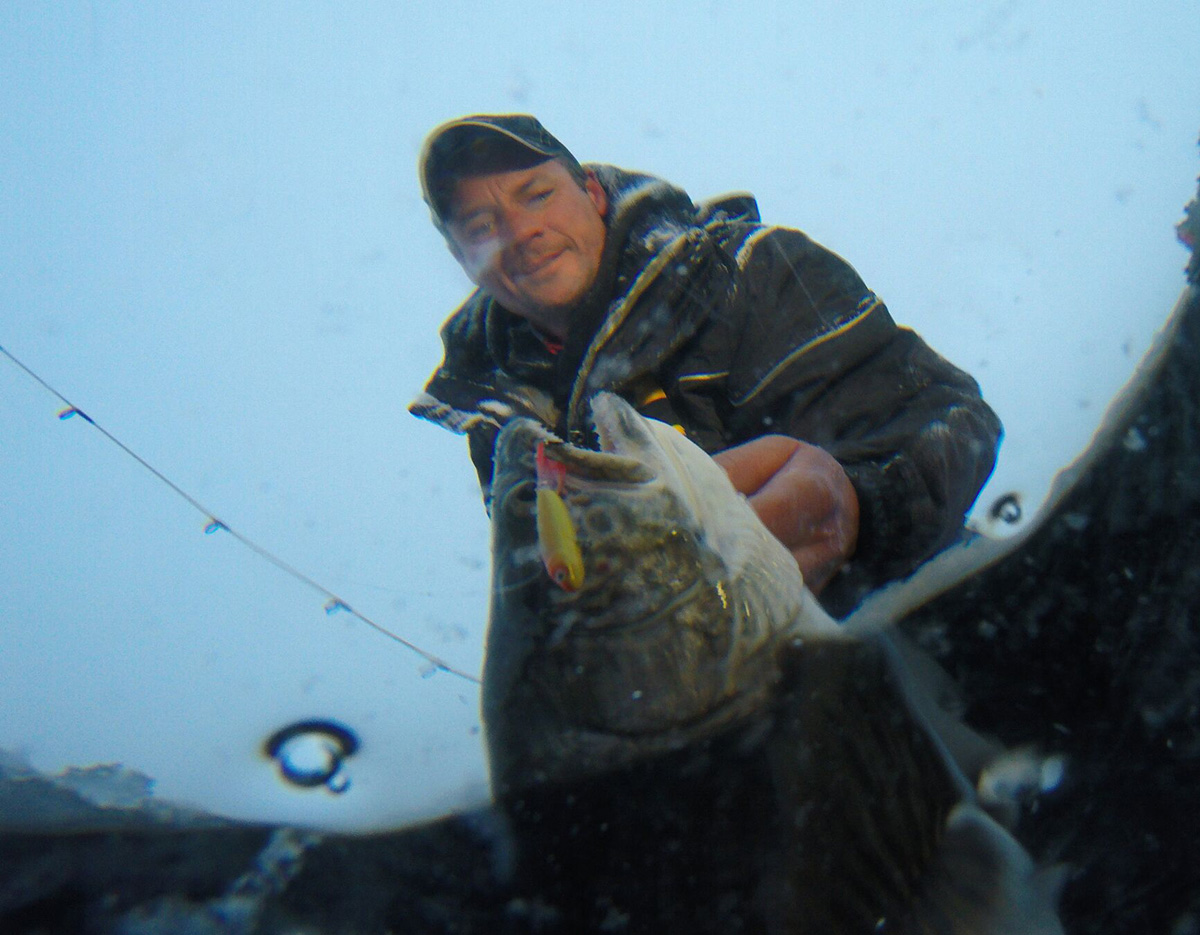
x,y
982,882
856,764
936,696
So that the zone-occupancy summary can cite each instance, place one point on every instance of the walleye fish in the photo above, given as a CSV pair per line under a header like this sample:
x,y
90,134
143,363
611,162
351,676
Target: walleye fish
x,y
691,625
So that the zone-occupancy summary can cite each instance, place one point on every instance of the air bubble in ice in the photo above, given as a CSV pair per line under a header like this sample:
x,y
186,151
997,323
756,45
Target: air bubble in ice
x,y
1007,509
313,753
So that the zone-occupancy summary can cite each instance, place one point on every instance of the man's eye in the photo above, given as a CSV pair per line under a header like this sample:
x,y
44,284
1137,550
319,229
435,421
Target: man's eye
x,y
540,196
480,230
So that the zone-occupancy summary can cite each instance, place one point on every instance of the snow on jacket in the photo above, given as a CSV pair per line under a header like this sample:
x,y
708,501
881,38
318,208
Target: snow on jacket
x,y
705,318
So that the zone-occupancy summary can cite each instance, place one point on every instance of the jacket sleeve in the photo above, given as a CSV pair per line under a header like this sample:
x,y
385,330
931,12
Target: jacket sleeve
x,y
819,358
469,395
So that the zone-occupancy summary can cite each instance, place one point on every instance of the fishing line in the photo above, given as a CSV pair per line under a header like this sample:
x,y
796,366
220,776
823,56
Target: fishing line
x,y
333,603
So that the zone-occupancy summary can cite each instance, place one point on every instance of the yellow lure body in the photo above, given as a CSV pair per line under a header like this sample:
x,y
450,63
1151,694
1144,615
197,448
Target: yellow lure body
x,y
557,540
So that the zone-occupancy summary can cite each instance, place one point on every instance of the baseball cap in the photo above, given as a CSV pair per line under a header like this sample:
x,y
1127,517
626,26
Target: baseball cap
x,y
479,144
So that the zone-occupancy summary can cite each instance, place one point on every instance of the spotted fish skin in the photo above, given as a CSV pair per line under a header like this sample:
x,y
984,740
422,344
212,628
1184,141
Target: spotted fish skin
x,y
692,665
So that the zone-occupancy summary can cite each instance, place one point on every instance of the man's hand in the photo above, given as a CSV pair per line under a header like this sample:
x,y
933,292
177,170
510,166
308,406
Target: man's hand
x,y
803,497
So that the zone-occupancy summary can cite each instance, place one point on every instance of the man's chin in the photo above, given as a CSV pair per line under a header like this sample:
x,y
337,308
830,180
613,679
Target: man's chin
x,y
548,300
553,303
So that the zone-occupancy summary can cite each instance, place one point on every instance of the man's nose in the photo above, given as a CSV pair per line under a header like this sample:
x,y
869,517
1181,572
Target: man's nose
x,y
522,226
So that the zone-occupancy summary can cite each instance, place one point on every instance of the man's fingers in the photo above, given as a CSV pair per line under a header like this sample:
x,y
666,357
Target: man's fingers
x,y
803,496
753,463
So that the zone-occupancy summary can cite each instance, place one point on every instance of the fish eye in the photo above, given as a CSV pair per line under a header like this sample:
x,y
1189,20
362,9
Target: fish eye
x,y
520,498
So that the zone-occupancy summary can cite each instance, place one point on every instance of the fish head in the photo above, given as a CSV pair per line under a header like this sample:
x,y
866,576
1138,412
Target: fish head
x,y
672,631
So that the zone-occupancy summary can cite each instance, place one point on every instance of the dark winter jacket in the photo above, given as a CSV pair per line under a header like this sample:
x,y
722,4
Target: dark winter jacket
x,y
703,317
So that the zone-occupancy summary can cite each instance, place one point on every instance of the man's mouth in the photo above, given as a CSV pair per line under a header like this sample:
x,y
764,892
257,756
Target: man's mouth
x,y
537,267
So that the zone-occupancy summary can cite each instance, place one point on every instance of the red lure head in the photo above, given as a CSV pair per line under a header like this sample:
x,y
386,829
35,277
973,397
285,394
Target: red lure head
x,y
550,473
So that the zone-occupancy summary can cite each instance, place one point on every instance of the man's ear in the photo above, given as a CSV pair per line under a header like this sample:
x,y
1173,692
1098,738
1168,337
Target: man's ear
x,y
596,192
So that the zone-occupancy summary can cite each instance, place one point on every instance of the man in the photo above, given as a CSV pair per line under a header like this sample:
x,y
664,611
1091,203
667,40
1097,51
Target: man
x,y
858,446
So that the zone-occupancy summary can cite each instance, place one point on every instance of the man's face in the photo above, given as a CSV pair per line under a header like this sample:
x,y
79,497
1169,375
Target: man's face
x,y
530,238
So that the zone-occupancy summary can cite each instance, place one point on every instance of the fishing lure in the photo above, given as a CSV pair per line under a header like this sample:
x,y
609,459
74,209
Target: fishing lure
x,y
557,540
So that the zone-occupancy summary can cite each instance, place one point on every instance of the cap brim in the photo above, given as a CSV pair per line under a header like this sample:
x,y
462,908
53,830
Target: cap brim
x,y
439,134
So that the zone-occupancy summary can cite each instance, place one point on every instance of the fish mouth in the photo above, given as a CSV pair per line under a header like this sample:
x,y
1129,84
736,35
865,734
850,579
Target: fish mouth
x,y
586,468
619,428
623,443
625,452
